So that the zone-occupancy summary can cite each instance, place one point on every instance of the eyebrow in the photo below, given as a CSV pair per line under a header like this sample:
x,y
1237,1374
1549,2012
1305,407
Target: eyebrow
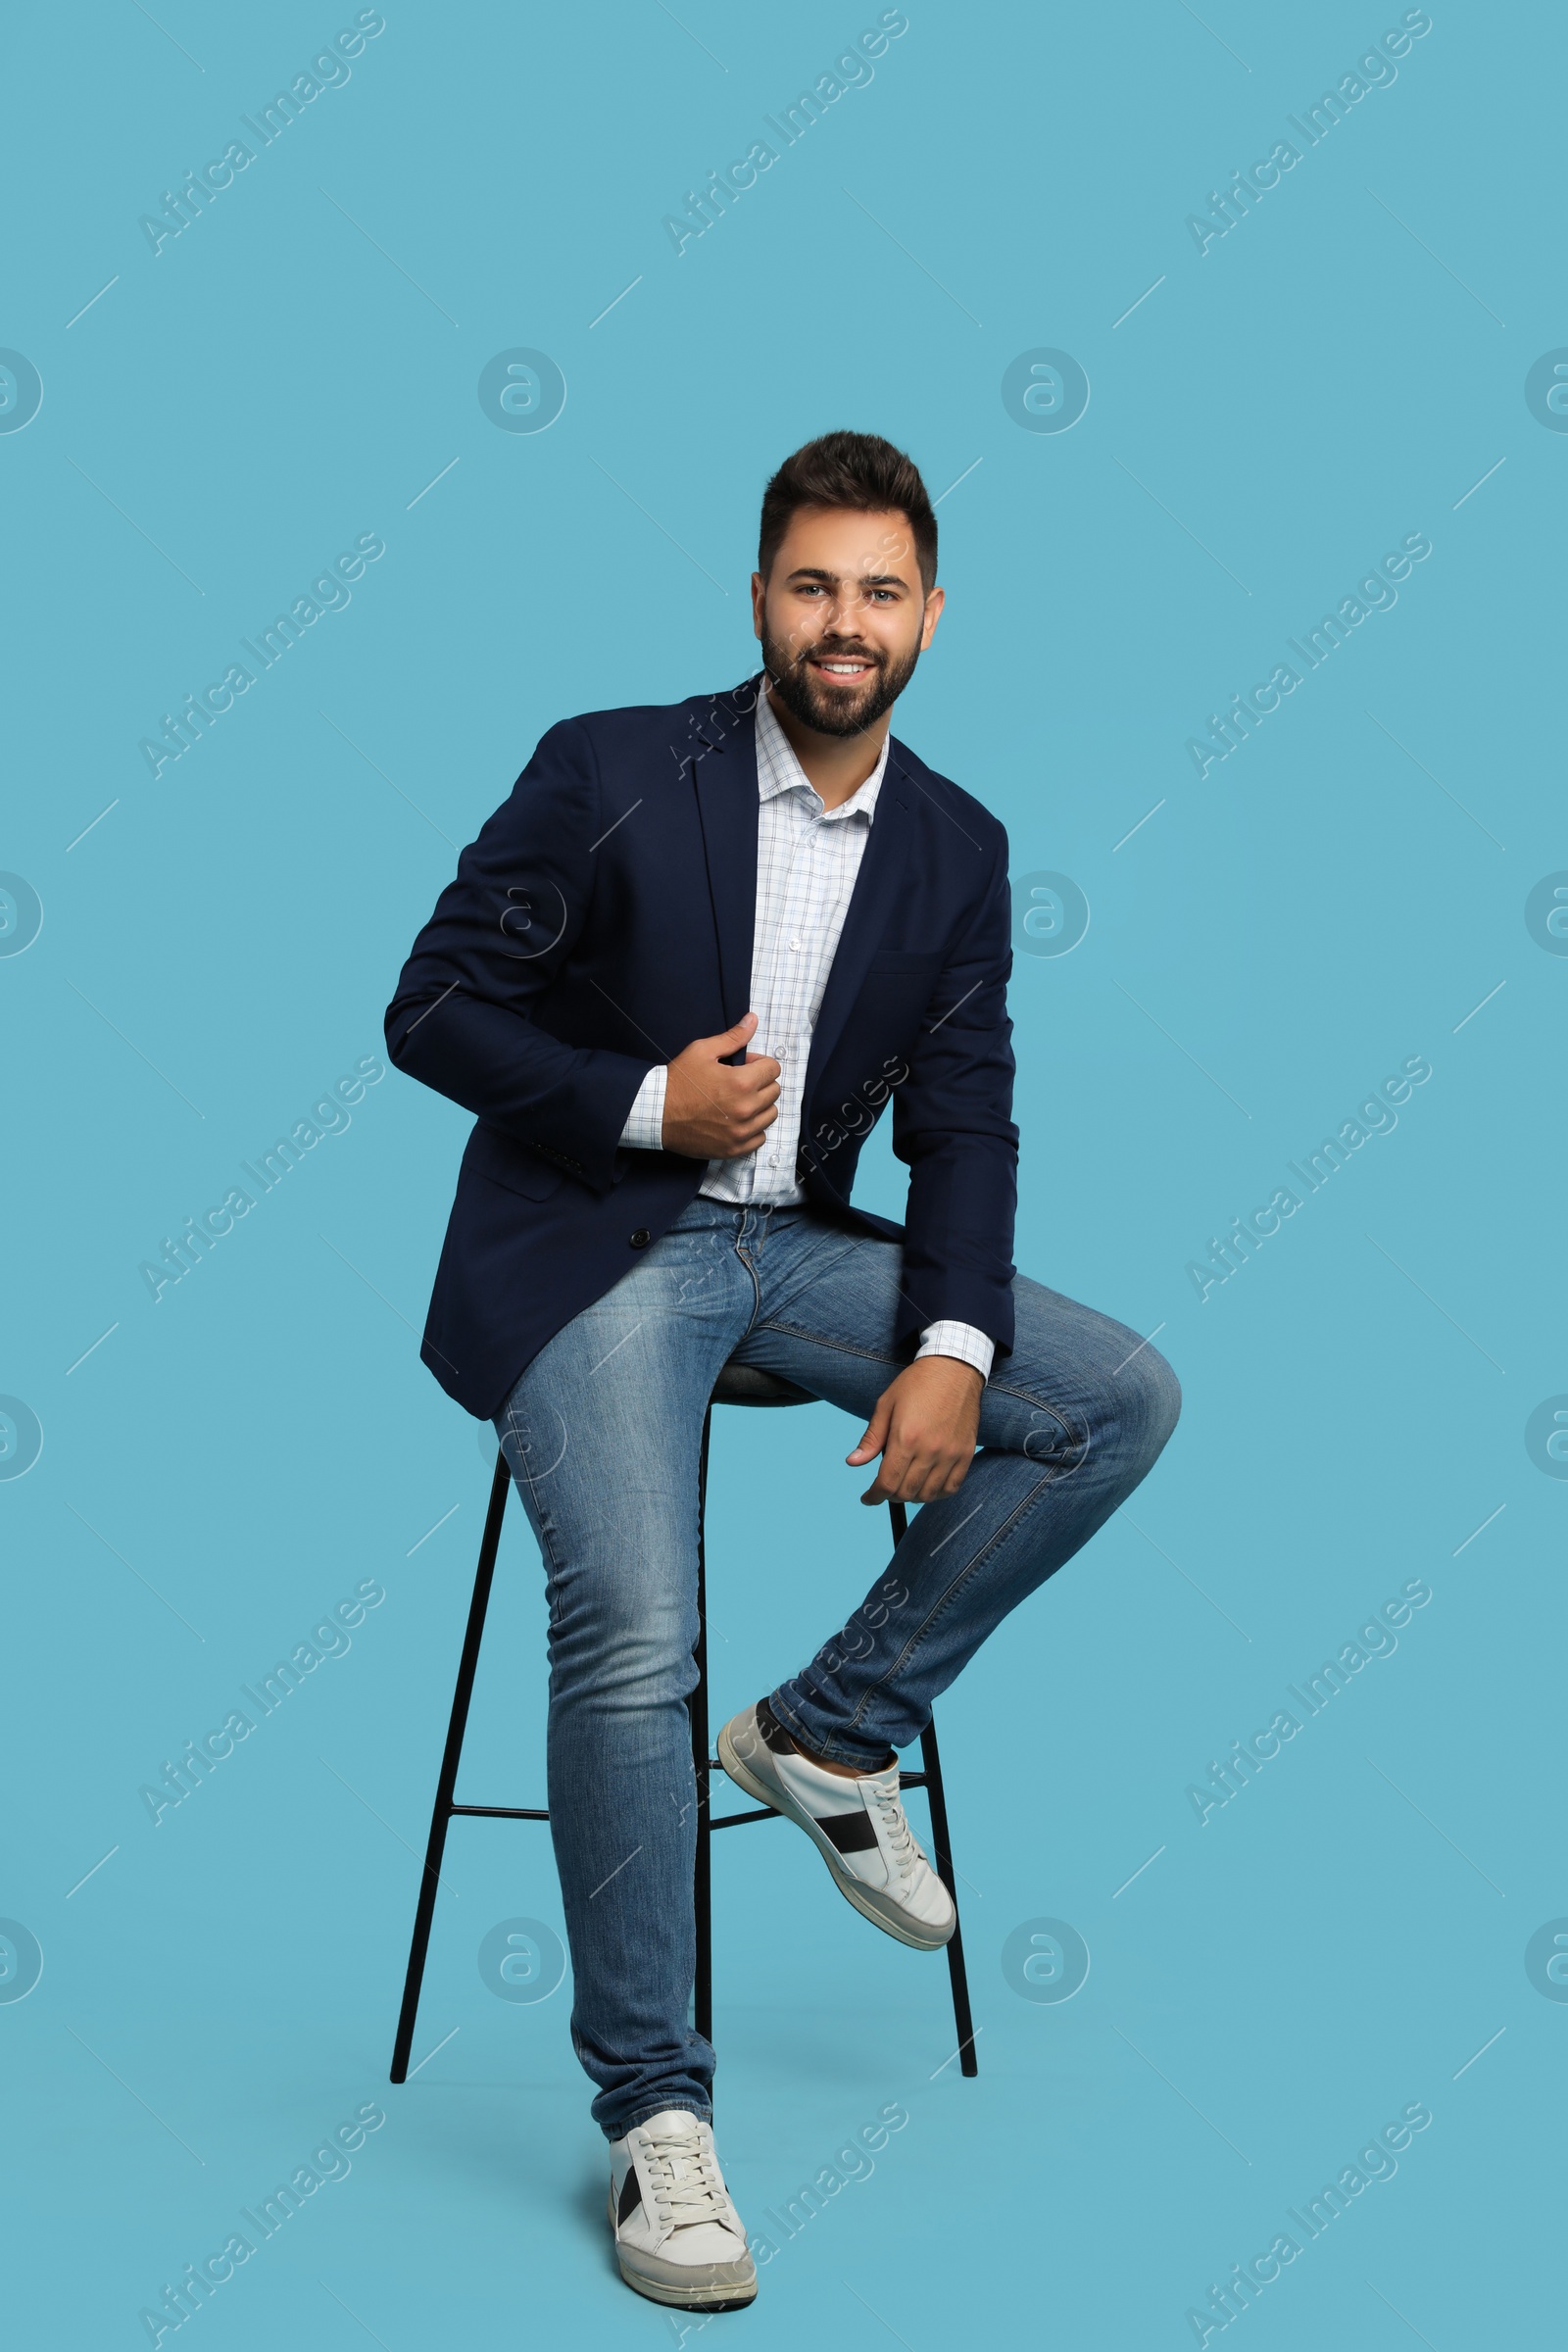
x,y
866,579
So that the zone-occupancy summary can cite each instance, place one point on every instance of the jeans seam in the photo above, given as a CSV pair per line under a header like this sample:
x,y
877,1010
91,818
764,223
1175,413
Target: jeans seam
x,y
798,1331
873,1355
756,1301
552,1564
1041,1404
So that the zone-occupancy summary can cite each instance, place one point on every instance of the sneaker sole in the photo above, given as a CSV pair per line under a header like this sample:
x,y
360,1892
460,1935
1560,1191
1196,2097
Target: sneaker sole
x,y
862,1897
681,2294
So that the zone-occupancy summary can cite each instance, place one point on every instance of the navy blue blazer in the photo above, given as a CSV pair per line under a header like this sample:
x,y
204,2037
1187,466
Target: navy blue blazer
x,y
600,921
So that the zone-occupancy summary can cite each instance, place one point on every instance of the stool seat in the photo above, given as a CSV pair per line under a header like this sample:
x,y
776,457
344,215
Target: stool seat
x,y
744,1384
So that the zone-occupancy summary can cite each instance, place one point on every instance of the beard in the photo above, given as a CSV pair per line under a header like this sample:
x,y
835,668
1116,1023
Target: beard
x,y
836,706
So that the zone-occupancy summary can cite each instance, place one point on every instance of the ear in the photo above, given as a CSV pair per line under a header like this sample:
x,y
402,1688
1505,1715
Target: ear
x,y
932,613
758,593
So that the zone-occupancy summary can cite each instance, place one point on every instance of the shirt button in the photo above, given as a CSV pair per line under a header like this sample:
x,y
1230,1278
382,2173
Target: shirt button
x,y
794,946
641,1238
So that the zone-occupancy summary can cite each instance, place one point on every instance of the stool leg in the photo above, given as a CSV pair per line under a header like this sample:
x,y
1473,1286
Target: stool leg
x,y
958,1974
702,1884
446,1785
931,1759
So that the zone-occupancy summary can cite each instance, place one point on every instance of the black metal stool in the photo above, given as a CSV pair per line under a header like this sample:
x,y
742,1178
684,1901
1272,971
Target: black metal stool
x,y
738,1384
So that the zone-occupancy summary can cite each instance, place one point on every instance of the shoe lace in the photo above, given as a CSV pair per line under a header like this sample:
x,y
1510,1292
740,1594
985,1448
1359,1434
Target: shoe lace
x,y
902,1842
684,2175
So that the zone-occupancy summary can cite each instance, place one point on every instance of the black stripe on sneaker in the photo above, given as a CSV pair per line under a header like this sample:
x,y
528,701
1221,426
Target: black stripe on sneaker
x,y
631,2196
850,1832
774,1736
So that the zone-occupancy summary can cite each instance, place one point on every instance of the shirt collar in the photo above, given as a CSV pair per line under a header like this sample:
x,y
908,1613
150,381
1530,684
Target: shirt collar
x,y
779,770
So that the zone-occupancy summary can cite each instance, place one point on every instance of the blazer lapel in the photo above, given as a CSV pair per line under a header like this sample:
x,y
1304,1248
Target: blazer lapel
x,y
723,757
871,905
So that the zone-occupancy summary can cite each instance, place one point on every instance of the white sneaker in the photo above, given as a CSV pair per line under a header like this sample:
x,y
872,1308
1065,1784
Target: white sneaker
x,y
678,2238
858,1826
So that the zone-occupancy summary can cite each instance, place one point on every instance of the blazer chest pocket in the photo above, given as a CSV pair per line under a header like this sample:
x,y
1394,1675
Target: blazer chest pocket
x,y
899,982
509,1162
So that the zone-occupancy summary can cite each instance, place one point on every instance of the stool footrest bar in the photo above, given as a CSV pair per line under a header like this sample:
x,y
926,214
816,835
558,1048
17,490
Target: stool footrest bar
x,y
502,1812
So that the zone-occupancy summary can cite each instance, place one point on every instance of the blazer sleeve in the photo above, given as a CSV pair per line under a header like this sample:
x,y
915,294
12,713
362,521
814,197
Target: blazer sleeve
x,y
463,1018
953,1127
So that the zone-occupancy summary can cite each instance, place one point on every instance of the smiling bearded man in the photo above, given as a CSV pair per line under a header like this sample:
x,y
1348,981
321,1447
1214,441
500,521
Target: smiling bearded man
x,y
689,935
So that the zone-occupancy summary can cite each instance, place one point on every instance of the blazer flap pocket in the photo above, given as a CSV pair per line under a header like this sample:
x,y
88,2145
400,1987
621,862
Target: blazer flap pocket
x,y
505,1160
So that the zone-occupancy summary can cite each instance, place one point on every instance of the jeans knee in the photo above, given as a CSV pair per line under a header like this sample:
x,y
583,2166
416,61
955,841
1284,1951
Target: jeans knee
x,y
1148,1398
622,1663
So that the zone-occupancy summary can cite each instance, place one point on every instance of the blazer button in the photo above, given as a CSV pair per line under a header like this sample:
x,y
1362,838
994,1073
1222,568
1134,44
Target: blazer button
x,y
641,1238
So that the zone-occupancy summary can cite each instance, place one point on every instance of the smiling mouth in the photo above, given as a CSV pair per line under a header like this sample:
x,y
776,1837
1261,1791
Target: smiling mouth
x,y
848,666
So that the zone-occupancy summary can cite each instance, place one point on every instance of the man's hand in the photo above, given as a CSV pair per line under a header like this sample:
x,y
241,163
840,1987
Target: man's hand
x,y
924,1428
714,1110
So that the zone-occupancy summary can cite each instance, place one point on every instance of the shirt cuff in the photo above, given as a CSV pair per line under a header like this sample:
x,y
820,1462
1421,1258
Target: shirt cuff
x,y
963,1339
644,1130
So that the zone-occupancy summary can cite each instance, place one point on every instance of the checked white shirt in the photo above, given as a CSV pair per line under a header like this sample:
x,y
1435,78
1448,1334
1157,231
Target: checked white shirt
x,y
808,858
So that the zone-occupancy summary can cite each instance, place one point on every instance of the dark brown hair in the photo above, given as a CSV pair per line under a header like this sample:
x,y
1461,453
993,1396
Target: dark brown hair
x,y
857,470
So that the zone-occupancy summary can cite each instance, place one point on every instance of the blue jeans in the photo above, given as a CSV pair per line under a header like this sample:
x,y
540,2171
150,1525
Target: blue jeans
x,y
603,1431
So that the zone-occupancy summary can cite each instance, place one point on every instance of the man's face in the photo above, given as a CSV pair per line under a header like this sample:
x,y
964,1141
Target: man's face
x,y
843,618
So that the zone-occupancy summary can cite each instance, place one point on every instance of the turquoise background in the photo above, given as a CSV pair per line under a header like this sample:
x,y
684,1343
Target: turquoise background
x,y
294,370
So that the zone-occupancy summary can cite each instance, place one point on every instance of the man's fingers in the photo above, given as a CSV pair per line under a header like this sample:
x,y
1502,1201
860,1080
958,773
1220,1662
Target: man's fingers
x,y
728,1042
927,1439
893,1482
715,1107
914,1484
876,1437
910,1473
